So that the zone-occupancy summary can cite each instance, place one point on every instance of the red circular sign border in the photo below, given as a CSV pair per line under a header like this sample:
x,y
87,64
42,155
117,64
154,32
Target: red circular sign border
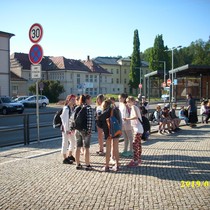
x,y
41,57
39,25
168,82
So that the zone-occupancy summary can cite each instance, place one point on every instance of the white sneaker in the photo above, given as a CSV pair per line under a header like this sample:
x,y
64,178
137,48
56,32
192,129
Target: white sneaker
x,y
112,162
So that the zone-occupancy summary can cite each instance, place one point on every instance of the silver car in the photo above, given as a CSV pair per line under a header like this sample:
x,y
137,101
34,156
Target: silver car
x,y
43,101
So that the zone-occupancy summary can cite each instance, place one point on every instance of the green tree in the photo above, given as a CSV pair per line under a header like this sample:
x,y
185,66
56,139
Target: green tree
x,y
158,53
134,76
52,89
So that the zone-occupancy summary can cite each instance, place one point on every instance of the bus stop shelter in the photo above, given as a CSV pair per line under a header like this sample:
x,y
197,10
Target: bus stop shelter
x,y
192,79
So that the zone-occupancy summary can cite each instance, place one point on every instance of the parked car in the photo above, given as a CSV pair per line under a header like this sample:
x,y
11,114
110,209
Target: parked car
x,y
20,98
31,101
165,97
7,106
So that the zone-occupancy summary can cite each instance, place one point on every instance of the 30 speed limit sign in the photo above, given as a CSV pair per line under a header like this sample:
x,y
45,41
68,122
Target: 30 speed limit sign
x,y
35,33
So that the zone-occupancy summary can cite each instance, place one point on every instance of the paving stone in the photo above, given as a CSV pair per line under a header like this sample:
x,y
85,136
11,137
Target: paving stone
x,y
33,176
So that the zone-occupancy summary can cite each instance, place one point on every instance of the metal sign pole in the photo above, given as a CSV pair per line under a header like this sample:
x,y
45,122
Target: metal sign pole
x,y
37,110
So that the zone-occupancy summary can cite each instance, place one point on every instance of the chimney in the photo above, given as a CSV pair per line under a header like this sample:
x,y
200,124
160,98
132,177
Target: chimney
x,y
88,58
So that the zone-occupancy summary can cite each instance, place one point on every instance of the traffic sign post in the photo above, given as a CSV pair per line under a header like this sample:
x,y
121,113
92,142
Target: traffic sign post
x,y
36,54
168,82
35,57
36,71
35,33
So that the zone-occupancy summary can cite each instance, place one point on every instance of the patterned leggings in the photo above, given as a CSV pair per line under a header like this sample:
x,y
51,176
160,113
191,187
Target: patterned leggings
x,y
137,150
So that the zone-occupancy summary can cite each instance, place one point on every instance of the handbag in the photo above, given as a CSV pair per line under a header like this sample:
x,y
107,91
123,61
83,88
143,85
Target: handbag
x,y
115,130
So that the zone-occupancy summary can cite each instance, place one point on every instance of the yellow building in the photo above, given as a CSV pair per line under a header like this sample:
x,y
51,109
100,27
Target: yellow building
x,y
120,69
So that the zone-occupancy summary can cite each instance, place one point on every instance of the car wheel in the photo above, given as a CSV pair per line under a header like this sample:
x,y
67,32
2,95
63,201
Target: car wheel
x,y
44,105
4,111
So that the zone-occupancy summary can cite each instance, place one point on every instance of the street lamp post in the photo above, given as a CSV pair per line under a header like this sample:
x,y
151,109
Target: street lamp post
x,y
164,77
140,80
172,68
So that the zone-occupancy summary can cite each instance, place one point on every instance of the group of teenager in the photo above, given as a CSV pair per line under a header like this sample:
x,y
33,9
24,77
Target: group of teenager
x,y
169,122
130,114
77,141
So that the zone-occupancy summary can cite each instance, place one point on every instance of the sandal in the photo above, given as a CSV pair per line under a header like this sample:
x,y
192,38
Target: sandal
x,y
88,168
100,153
115,168
79,167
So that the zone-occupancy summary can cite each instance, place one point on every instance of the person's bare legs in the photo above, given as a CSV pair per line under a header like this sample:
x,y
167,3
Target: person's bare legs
x,y
108,151
116,150
100,139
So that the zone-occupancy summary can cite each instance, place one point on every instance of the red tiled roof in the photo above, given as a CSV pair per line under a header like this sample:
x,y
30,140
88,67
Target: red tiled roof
x,y
52,63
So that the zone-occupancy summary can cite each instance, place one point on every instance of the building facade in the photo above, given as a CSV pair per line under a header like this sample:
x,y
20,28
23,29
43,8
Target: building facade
x,y
76,76
4,63
120,68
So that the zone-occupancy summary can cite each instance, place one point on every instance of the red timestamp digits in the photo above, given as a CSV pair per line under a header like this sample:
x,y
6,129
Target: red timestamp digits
x,y
194,184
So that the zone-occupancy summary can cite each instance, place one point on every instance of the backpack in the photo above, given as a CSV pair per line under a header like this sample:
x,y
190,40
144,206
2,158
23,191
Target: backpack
x,y
151,116
78,119
146,126
57,118
115,130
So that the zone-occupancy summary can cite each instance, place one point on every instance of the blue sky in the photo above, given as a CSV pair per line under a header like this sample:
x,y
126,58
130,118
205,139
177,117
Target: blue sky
x,y
78,28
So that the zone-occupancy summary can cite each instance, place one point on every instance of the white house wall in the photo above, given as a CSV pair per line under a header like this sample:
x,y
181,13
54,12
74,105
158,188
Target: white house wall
x,y
4,66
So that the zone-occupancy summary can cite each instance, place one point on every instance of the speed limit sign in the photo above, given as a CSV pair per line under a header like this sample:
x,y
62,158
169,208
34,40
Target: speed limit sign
x,y
35,33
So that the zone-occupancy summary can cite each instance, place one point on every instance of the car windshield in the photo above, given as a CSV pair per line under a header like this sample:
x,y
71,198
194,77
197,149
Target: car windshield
x,y
6,100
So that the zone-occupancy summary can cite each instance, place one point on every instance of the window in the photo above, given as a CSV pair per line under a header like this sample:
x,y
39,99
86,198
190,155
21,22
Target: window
x,y
91,91
95,91
125,81
117,71
105,80
95,78
15,89
91,78
125,72
86,78
112,80
117,81
78,78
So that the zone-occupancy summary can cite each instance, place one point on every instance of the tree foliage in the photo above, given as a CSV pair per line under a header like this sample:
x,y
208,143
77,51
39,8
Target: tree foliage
x,y
134,76
51,89
158,54
198,53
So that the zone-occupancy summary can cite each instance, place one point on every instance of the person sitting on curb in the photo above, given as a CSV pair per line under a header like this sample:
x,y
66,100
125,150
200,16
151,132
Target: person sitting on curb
x,y
159,117
175,120
182,115
205,111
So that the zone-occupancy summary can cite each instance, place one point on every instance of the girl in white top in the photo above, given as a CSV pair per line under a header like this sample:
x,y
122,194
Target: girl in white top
x,y
68,138
99,109
126,126
135,118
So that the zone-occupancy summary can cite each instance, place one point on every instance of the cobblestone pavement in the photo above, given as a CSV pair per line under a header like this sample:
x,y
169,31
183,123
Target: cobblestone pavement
x,y
174,174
